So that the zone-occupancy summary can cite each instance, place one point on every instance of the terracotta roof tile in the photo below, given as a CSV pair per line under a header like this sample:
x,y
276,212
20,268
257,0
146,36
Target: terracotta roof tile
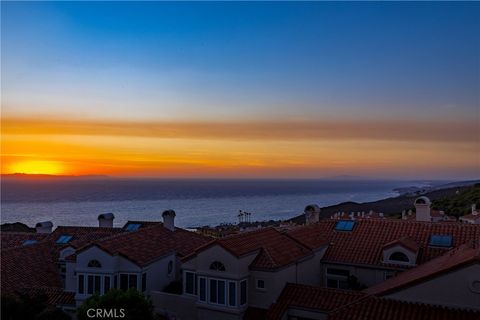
x,y
55,296
310,297
30,266
405,242
16,239
375,308
275,249
82,235
150,243
353,305
364,244
455,258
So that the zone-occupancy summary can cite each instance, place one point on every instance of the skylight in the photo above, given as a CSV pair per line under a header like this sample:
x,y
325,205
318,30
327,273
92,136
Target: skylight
x,y
441,241
344,225
29,242
64,238
133,226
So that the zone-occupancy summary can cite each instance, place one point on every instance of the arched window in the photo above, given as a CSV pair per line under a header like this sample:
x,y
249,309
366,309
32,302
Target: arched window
x,y
399,256
94,264
217,265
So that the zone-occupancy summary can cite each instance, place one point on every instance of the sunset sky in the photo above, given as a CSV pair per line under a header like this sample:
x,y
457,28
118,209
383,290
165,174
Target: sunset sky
x,y
294,90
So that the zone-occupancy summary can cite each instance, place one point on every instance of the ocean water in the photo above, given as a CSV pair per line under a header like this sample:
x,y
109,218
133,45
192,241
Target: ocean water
x,y
196,202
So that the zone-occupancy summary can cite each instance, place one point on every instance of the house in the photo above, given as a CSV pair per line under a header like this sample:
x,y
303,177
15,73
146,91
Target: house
x,y
446,287
145,256
473,217
228,277
365,252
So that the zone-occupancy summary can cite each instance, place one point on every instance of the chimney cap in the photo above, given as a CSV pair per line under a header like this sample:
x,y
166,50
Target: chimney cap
x,y
169,212
106,216
44,224
422,200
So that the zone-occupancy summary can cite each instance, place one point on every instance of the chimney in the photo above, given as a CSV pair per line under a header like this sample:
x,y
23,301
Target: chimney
x,y
474,209
169,219
312,214
403,215
44,227
105,220
422,206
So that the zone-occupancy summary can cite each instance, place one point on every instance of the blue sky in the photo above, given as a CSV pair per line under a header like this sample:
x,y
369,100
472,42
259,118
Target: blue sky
x,y
221,60
227,89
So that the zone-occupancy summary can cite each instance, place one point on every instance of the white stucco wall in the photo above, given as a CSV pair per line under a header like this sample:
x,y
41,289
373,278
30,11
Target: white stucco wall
x,y
453,289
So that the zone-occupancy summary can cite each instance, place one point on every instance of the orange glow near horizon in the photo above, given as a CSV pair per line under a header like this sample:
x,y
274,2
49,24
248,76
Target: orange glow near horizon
x,y
269,150
37,167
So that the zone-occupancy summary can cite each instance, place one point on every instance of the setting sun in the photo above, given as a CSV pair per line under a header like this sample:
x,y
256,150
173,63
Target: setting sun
x,y
37,167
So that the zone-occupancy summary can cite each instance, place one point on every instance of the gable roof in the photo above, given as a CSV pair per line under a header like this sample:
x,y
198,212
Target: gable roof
x,y
147,244
406,242
341,304
310,297
274,248
376,308
364,244
459,257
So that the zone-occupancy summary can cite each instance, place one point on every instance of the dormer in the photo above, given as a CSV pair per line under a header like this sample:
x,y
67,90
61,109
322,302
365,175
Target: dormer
x,y
402,251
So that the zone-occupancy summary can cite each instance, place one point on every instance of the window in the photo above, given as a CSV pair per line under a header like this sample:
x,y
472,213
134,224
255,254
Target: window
x,y
90,284
29,242
260,284
133,226
217,266
124,281
232,294
106,284
81,283
441,241
399,256
243,292
144,281
337,278
170,267
64,238
189,282
97,281
94,264
344,225
127,281
132,281
217,291
203,289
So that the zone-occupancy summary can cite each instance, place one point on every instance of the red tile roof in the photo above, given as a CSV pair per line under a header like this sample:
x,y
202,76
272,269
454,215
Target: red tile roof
x,y
150,243
82,235
364,244
405,242
375,308
15,239
55,296
30,266
275,249
353,305
456,258
310,297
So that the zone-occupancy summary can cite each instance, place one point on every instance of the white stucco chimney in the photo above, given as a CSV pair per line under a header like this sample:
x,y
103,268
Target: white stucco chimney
x,y
312,214
105,220
422,207
474,209
169,219
44,227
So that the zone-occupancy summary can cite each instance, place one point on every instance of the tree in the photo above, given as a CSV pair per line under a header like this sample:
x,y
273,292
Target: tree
x,y
130,303
23,306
